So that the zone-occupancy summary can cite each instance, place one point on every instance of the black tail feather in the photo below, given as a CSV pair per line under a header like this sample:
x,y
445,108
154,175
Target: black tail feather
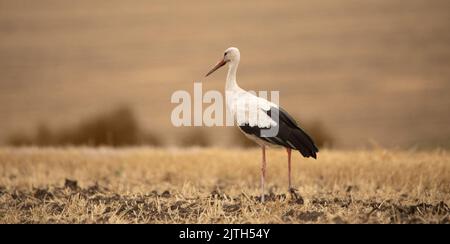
x,y
296,135
303,143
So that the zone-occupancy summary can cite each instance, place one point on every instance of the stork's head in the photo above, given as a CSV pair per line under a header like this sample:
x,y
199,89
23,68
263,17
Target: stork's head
x,y
231,55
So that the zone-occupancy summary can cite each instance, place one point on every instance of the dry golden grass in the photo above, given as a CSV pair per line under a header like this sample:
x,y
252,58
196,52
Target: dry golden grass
x,y
212,185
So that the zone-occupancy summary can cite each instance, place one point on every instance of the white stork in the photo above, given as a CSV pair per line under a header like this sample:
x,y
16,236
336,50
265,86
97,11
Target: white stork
x,y
240,103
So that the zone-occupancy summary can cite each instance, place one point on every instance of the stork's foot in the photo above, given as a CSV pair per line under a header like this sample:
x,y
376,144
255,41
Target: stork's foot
x,y
295,197
262,199
271,197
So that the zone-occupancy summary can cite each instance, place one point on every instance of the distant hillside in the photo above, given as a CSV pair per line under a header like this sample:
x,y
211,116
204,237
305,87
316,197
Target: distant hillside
x,y
372,72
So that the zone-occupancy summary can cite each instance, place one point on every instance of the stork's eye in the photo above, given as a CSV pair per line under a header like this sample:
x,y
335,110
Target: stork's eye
x,y
225,54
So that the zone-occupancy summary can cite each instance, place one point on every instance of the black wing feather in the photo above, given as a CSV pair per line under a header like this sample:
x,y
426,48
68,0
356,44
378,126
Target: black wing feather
x,y
289,135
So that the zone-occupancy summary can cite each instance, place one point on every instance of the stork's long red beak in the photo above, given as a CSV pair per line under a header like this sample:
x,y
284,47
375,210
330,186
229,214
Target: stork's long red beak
x,y
218,65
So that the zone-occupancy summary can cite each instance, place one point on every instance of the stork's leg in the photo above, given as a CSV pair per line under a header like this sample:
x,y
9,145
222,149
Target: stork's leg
x,y
289,167
297,198
263,171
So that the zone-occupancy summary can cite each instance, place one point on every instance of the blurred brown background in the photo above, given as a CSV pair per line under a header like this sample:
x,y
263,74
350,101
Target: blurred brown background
x,y
363,72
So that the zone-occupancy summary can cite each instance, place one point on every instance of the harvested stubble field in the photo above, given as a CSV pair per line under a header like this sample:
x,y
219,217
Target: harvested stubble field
x,y
212,185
